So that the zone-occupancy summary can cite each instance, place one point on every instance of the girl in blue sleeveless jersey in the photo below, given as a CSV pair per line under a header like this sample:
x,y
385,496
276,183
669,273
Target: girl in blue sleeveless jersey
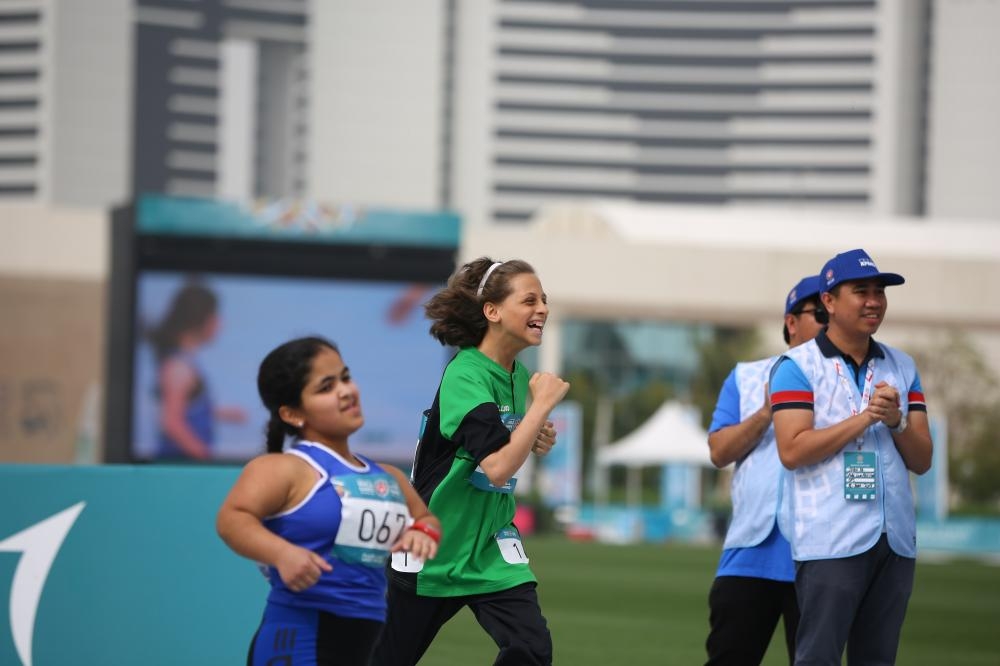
x,y
187,412
321,519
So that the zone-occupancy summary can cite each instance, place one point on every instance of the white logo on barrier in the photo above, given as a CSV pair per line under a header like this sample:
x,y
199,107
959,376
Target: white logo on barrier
x,y
39,545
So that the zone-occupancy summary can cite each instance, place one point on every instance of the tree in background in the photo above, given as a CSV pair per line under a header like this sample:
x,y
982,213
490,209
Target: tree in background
x,y
637,392
959,383
961,386
629,410
716,357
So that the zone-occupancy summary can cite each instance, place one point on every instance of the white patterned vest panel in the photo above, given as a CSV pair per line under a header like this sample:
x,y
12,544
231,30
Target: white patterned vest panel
x,y
757,481
820,522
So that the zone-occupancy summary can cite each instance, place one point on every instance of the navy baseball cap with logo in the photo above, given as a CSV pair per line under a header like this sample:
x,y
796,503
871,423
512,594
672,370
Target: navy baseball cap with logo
x,y
854,265
807,287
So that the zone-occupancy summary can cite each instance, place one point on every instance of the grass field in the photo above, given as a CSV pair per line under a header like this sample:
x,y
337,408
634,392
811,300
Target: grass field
x,y
647,604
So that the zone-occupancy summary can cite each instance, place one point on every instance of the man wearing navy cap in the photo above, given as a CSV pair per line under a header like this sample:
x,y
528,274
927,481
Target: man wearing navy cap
x,y
754,584
851,423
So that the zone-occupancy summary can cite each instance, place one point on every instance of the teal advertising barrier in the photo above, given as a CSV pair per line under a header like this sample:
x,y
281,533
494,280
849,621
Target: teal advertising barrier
x,y
967,537
121,565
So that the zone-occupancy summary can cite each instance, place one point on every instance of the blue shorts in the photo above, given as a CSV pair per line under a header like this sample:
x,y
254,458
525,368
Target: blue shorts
x,y
306,637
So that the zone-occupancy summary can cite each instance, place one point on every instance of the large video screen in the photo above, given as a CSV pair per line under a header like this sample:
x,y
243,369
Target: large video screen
x,y
201,290
206,386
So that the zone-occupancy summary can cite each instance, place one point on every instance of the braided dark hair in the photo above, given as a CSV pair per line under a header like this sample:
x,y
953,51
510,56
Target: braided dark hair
x,y
280,380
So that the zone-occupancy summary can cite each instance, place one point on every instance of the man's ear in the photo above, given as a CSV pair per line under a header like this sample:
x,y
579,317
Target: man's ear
x,y
791,323
826,298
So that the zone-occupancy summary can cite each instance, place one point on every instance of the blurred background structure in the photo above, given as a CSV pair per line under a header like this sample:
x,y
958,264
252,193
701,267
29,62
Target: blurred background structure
x,y
670,168
686,159
736,144
495,108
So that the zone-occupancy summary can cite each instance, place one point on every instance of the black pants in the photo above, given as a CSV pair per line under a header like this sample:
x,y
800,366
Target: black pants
x,y
743,613
511,617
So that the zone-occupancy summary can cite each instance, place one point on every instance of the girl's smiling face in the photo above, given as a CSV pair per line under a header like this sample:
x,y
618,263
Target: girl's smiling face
x,y
524,311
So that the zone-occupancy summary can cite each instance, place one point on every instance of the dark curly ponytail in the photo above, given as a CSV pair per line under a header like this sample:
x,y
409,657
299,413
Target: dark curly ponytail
x,y
457,310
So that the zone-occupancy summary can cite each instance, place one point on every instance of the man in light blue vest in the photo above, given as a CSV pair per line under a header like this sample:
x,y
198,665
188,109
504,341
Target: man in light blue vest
x,y
754,584
851,422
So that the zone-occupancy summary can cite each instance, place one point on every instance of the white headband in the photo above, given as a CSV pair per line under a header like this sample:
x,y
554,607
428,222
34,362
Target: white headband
x,y
486,276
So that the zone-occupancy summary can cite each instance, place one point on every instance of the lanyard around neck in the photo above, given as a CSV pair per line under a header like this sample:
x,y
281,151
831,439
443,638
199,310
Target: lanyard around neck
x,y
866,391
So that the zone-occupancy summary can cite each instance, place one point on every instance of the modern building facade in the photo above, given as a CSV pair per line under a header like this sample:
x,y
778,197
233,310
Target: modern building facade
x,y
104,99
963,108
497,107
742,103
65,102
220,98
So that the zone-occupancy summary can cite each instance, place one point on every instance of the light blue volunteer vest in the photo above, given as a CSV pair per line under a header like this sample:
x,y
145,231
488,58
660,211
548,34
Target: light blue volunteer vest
x,y
821,522
757,481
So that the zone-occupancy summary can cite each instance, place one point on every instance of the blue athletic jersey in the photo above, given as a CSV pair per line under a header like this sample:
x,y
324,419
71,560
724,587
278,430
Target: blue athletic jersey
x,y
199,415
355,587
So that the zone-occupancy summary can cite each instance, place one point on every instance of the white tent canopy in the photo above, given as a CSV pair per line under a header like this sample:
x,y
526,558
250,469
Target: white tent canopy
x,y
670,435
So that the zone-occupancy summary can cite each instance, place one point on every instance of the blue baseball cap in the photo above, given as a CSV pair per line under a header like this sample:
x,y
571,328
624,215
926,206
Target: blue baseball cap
x,y
806,288
854,265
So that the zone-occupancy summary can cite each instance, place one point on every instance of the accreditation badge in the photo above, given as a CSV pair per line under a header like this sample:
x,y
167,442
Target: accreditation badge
x,y
860,475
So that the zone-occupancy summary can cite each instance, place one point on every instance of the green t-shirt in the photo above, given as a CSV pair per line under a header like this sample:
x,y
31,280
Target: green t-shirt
x,y
479,403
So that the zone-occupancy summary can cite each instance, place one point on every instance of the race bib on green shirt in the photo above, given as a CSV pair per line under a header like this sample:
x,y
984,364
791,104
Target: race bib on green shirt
x,y
511,548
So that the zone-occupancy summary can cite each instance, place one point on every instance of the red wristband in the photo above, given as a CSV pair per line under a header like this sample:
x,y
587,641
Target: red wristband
x,y
427,529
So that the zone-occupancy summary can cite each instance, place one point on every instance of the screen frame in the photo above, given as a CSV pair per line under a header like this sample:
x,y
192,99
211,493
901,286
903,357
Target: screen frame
x,y
134,251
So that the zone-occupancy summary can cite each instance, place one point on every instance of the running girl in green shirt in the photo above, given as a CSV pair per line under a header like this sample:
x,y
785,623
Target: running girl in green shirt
x,y
477,435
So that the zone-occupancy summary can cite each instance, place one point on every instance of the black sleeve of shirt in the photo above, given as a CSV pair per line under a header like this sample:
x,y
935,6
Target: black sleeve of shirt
x,y
482,432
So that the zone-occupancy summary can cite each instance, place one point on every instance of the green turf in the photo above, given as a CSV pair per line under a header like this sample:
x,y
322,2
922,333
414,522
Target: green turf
x,y
647,604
